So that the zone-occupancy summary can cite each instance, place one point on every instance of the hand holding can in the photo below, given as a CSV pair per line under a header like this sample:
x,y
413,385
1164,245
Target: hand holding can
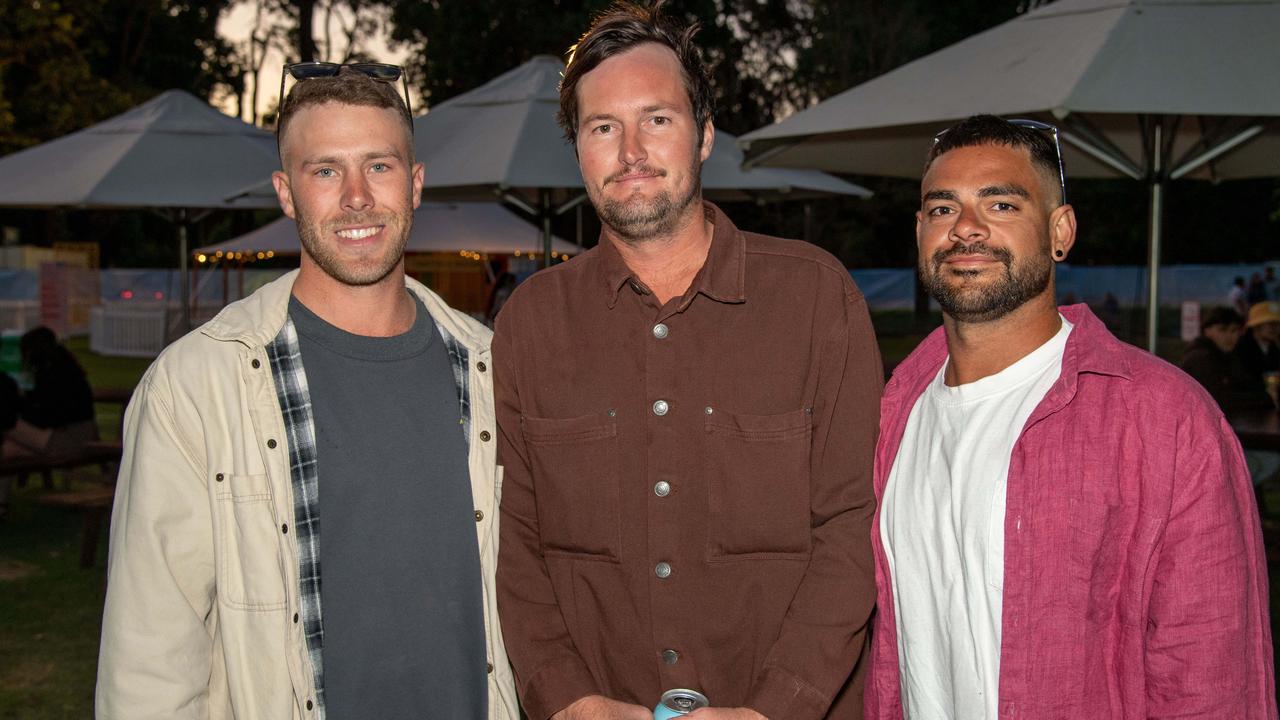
x,y
679,702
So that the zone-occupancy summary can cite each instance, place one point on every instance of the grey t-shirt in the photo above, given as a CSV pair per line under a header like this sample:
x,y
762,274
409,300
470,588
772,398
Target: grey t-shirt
x,y
399,563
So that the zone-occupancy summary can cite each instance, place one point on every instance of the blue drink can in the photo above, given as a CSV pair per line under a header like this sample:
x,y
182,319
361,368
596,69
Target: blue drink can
x,y
679,702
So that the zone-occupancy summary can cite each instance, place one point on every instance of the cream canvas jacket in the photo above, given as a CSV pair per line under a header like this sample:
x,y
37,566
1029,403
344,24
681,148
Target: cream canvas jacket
x,y
202,581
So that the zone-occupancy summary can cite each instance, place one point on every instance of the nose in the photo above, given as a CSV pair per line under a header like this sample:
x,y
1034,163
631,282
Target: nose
x,y
631,151
356,196
968,226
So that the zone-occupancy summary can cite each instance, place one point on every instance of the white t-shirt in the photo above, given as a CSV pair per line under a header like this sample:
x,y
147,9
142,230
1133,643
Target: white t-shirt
x,y
942,525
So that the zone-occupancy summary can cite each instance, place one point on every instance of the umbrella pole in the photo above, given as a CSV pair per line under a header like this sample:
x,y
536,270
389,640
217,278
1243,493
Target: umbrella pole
x,y
545,196
182,271
1153,243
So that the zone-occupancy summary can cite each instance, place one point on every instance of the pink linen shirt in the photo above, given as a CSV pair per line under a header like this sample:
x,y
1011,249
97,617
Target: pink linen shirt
x,y
1135,583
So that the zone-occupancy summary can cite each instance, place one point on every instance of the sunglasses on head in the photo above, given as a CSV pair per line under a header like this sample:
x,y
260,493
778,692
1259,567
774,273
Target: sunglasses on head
x,y
382,72
1042,127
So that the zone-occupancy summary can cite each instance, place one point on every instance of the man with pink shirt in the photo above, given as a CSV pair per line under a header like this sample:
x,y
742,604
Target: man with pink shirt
x,y
1066,527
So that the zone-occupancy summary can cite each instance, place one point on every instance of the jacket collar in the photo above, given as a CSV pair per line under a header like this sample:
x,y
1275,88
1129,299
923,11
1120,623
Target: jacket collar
x,y
723,276
257,319
1091,348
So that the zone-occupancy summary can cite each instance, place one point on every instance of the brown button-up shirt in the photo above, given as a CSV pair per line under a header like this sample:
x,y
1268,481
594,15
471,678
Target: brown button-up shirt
x,y
687,494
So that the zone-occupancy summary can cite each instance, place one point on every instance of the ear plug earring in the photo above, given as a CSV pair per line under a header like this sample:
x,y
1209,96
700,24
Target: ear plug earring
x,y
1057,254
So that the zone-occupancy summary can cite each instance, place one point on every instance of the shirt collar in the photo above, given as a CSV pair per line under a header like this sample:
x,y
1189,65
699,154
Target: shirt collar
x,y
723,276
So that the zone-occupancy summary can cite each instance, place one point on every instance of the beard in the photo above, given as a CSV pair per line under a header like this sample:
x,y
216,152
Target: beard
x,y
373,264
637,219
963,298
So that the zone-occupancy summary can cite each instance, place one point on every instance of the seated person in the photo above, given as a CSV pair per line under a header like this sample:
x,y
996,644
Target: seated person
x,y
55,417
1259,346
1210,360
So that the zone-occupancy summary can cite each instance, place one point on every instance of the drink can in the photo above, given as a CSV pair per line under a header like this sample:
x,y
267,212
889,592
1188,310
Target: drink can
x,y
679,702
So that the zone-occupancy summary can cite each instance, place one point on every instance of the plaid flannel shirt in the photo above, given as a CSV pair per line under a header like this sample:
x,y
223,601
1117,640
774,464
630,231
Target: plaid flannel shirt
x,y
295,406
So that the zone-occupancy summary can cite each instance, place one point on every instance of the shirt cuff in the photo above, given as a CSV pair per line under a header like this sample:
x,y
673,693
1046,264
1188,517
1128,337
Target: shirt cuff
x,y
554,688
779,695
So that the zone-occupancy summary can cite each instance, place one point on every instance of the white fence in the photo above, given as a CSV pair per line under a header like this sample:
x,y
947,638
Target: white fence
x,y
129,329
19,316
133,328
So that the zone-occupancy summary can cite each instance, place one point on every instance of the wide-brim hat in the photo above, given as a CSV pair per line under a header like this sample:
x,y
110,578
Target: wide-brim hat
x,y
1263,312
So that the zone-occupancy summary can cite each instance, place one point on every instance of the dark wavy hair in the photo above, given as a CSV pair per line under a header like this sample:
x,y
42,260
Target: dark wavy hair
x,y
620,28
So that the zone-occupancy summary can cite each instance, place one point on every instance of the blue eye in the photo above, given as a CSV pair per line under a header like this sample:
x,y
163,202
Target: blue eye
x,y
325,172
380,167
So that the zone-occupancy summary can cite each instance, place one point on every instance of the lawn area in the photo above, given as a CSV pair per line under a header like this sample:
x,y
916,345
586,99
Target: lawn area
x,y
50,608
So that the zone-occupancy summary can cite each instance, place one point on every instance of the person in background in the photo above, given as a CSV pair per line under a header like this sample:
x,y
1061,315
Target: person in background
x,y
1211,359
1236,297
1066,527
1271,283
1259,346
1257,291
502,288
55,416
9,397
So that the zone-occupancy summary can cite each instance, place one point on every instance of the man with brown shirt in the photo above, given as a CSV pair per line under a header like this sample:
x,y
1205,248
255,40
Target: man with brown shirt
x,y
687,414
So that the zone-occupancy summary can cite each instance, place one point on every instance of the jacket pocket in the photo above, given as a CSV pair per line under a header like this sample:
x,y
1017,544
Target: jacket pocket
x,y
248,572
575,476
757,470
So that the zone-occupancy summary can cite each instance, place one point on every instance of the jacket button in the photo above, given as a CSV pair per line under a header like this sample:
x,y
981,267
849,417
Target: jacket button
x,y
295,618
660,407
481,366
484,436
662,570
285,528
308,704
670,657
662,488
488,667
479,515
271,444
219,477
256,364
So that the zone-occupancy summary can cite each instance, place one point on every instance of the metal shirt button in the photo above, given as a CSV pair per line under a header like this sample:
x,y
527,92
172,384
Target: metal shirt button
x,y
488,667
708,410
662,488
670,657
661,407
484,436
481,366
479,515
660,331
663,570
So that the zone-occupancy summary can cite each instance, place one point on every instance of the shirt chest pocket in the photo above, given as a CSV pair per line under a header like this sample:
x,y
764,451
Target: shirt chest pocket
x,y
757,471
575,476
248,545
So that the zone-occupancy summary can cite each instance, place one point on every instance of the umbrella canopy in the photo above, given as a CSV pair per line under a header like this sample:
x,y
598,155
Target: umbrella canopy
x,y
503,135
171,152
437,227
1154,90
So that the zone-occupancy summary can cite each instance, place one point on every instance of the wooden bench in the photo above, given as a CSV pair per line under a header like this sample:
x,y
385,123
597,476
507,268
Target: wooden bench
x,y
97,452
94,503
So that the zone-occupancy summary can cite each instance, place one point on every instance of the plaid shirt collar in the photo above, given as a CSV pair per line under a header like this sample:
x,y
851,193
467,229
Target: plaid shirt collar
x,y
295,406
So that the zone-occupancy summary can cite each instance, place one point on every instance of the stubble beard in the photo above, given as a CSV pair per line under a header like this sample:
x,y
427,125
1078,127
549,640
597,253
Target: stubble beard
x,y
991,301
368,269
638,219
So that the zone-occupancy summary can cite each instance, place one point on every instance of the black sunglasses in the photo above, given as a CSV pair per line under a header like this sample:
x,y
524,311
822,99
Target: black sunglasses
x,y
382,72
1042,127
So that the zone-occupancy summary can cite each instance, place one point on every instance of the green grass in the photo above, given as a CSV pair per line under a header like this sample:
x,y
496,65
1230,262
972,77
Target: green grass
x,y
51,612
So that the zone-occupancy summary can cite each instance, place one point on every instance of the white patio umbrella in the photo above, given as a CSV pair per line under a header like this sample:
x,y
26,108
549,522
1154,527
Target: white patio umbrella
x,y
502,140
174,154
437,227
1153,90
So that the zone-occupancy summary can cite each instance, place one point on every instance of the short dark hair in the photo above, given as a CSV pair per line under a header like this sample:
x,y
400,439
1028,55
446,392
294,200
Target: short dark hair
x,y
621,28
992,130
348,87
1224,316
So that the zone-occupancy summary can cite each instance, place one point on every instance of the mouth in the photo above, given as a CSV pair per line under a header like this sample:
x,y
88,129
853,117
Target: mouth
x,y
356,234
635,176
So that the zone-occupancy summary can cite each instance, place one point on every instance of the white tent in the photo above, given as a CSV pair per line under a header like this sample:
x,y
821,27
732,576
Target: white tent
x,y
437,227
174,154
1153,90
